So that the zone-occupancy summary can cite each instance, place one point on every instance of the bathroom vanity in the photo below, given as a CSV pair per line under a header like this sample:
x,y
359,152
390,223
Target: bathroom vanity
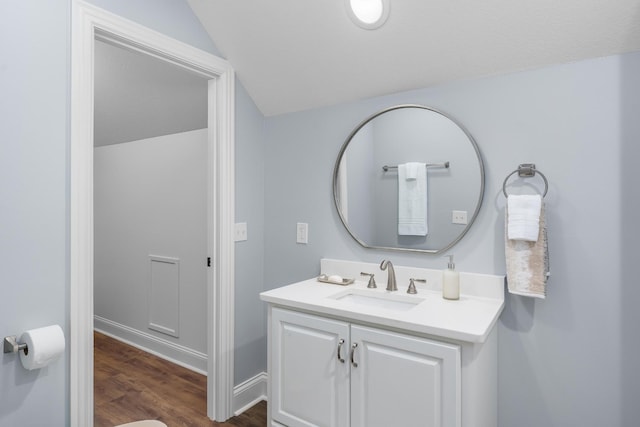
x,y
355,356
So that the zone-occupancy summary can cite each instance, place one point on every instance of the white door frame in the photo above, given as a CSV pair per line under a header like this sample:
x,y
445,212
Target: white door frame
x,y
88,23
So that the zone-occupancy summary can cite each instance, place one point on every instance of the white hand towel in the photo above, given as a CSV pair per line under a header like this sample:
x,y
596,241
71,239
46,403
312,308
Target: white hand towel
x,y
527,262
412,201
524,217
411,170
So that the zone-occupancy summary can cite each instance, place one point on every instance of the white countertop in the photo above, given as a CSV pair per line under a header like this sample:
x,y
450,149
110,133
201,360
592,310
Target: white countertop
x,y
471,318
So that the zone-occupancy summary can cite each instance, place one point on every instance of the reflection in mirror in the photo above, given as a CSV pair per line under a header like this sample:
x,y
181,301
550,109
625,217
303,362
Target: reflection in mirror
x,y
387,201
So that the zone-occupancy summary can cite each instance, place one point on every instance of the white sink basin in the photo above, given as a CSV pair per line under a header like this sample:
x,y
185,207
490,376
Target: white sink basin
x,y
373,299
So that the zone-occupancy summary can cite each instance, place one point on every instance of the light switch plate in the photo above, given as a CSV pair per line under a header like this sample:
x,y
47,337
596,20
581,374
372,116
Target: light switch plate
x,y
302,232
241,232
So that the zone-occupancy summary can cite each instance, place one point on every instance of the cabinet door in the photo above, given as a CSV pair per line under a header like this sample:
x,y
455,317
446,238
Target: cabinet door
x,y
309,385
402,380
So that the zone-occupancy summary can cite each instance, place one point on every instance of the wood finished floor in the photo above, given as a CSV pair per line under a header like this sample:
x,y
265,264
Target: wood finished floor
x,y
131,385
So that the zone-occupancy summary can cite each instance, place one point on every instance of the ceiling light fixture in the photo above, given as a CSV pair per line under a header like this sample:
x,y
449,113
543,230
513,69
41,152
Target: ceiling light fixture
x,y
368,14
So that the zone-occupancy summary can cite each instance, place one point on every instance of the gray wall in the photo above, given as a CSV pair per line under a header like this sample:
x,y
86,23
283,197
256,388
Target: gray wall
x,y
34,106
564,361
150,198
250,334
34,49
627,290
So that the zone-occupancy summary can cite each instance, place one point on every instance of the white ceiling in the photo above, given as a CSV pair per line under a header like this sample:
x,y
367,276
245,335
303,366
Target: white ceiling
x,y
138,96
293,55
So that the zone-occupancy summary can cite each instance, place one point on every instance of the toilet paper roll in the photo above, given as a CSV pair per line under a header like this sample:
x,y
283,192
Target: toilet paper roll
x,y
44,345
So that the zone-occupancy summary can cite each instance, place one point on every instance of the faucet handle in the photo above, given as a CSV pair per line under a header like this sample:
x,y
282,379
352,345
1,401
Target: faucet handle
x,y
412,286
372,281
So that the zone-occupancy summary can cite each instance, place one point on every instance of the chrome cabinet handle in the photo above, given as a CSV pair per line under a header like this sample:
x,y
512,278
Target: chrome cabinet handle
x,y
353,351
339,348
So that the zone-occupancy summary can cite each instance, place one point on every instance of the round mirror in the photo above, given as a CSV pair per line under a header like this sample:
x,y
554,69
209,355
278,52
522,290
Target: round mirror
x,y
408,178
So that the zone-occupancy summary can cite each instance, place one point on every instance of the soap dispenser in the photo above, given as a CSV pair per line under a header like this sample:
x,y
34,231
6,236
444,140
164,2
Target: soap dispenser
x,y
451,281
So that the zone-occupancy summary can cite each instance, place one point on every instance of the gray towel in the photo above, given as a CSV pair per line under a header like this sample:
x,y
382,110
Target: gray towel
x,y
528,262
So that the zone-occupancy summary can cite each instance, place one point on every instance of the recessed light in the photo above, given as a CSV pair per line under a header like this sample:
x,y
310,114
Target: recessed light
x,y
368,14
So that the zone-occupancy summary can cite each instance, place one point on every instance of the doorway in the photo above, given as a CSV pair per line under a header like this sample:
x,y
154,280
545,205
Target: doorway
x,y
90,23
150,212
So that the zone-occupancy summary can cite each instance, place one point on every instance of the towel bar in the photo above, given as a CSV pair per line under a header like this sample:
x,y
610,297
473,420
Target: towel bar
x,y
526,170
429,165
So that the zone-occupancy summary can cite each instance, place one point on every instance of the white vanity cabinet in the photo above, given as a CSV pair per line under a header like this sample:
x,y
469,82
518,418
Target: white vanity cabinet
x,y
356,356
400,380
327,372
309,386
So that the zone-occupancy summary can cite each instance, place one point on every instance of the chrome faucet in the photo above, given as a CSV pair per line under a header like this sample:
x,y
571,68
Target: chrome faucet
x,y
391,275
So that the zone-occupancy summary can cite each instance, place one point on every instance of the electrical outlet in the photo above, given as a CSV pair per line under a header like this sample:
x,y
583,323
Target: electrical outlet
x,y
302,232
241,232
459,217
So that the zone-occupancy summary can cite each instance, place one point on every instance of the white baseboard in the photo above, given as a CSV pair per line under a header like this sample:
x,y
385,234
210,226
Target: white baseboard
x,y
174,353
250,392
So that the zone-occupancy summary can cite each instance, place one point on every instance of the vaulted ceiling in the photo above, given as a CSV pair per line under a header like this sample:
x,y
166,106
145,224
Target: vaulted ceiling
x,y
293,55
138,96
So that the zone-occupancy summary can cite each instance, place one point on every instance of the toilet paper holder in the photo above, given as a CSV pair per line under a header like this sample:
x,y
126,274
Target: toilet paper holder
x,y
11,345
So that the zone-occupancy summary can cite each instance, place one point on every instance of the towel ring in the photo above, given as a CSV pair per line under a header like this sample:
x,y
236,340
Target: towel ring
x,y
526,170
